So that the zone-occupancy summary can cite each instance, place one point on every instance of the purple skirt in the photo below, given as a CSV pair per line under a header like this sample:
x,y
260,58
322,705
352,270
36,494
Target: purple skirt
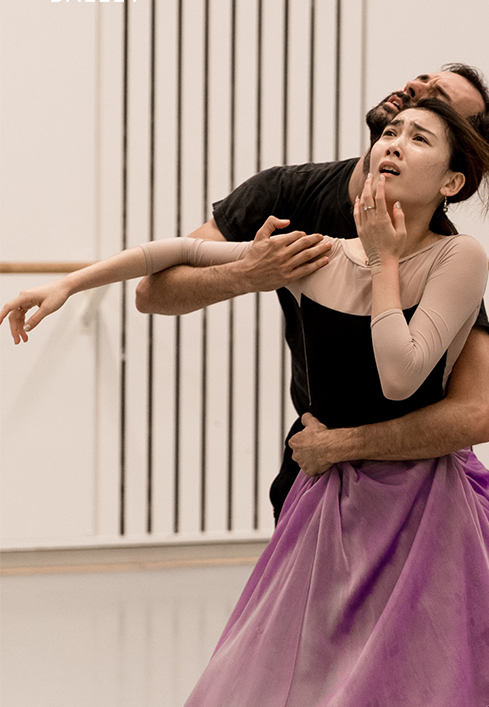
x,y
373,592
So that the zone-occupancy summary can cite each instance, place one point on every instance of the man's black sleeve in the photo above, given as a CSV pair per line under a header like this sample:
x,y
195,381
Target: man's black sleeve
x,y
245,210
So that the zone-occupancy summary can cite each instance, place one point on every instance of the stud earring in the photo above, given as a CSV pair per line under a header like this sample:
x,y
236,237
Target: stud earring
x,y
445,205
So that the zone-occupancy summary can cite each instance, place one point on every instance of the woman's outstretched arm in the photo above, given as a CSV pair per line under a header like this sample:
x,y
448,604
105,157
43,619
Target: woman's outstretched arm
x,y
130,263
156,256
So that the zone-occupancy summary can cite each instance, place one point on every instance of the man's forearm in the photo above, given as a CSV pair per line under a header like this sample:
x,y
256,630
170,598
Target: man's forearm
x,y
430,432
460,420
185,289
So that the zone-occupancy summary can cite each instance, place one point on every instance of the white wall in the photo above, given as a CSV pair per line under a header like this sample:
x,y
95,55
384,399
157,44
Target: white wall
x,y
63,199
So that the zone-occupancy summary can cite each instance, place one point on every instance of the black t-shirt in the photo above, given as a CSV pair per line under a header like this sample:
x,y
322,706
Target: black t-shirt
x,y
315,199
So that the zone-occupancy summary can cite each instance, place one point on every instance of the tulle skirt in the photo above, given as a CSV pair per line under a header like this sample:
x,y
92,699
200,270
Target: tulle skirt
x,y
373,592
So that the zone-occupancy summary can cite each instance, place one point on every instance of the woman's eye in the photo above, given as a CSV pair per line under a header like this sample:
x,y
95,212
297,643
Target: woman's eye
x,y
420,138
388,132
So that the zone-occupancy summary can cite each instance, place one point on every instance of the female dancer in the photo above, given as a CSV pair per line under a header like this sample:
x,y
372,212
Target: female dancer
x,y
374,589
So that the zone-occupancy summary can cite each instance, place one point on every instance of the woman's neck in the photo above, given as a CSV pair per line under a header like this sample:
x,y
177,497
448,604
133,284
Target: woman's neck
x,y
418,230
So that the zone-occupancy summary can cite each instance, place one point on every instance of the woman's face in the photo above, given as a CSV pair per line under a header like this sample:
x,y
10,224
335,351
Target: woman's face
x,y
413,155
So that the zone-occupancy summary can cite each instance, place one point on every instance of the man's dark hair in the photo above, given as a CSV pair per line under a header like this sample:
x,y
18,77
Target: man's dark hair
x,y
480,121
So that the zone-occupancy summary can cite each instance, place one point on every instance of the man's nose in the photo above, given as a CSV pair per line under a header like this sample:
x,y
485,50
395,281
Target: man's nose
x,y
417,89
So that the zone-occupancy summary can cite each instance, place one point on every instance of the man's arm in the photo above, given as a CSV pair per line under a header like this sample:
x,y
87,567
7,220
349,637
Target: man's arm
x,y
269,265
460,420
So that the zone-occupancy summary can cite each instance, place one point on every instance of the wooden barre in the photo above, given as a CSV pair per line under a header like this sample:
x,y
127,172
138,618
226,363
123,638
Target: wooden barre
x,y
47,267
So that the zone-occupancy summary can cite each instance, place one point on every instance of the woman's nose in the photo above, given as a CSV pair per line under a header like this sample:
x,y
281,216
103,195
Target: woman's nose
x,y
394,149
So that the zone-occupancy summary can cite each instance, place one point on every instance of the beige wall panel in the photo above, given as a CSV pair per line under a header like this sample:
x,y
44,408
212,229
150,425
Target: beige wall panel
x,y
218,359
47,451
48,122
351,79
165,214
49,180
108,200
191,217
272,85
298,82
324,80
244,307
138,219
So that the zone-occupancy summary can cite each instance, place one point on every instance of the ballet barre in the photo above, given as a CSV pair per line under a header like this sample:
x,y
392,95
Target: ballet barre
x,y
17,268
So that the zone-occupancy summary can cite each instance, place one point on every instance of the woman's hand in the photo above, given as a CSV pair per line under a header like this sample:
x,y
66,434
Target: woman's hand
x,y
309,446
48,298
381,237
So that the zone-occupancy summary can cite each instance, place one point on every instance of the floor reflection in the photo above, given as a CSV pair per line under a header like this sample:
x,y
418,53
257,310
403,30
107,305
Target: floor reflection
x,y
128,639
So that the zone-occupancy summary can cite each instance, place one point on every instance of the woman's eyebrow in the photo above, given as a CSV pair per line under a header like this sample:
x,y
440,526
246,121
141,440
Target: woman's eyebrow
x,y
413,124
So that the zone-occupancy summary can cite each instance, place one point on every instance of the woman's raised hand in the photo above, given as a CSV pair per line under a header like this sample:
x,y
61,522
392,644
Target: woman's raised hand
x,y
381,236
48,298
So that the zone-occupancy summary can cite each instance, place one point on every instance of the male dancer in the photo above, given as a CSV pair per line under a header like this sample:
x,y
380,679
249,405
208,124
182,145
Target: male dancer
x,y
317,198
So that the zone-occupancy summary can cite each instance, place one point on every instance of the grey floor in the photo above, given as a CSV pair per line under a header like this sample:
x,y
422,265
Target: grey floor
x,y
126,639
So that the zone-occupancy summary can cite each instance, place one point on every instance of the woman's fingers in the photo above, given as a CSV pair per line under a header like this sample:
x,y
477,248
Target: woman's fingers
x,y
367,198
359,214
45,307
16,323
17,309
380,205
399,220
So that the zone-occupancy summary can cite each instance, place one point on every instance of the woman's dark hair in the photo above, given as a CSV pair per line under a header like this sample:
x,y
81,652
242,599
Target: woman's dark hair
x,y
469,154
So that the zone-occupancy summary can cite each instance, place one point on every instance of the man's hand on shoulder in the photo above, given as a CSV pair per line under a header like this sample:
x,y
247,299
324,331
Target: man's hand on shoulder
x,y
274,261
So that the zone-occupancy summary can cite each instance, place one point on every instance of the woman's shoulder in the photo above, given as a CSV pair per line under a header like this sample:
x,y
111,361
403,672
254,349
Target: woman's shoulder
x,y
461,255
462,248
463,243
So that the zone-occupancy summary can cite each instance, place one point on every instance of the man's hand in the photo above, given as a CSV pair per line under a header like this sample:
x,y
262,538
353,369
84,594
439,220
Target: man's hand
x,y
275,261
310,447
272,262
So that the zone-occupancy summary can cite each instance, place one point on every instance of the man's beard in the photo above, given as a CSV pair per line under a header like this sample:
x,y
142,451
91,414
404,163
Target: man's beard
x,y
381,115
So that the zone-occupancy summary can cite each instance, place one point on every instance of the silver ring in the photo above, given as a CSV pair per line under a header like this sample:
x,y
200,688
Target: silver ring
x,y
366,208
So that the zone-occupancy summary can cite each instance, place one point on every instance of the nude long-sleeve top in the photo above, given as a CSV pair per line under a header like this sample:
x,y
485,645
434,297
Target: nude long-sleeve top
x,y
445,281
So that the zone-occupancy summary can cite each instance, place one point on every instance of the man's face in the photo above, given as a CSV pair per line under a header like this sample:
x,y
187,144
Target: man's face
x,y
445,85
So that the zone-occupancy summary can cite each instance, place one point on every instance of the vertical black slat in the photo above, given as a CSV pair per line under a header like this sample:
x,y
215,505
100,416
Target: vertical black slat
x,y
122,480
312,66
176,508
337,82
285,124
259,69
230,415
149,490
205,194
285,117
256,435
256,430
232,166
